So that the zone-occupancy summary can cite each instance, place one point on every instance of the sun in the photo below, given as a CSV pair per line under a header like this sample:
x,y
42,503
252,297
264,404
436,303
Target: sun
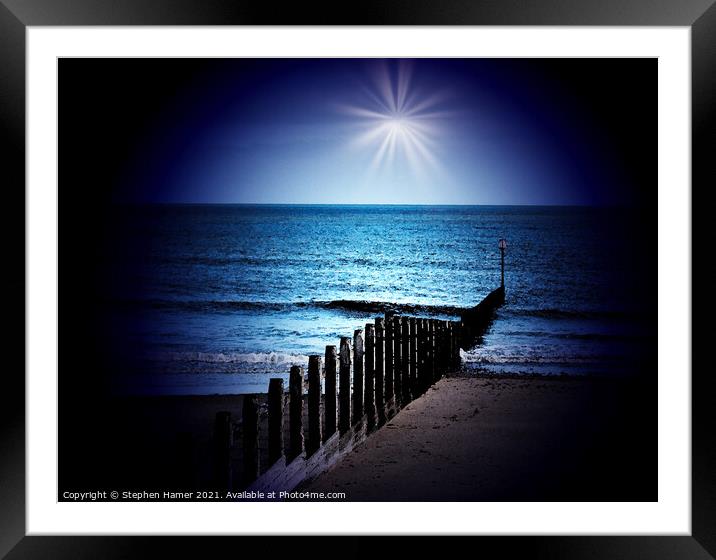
x,y
398,124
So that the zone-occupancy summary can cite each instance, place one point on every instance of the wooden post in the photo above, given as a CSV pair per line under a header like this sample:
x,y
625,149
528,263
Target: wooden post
x,y
223,441
329,412
416,357
250,423
462,343
454,353
414,392
381,350
397,360
370,369
405,359
449,352
275,420
431,351
358,351
445,347
389,356
426,374
344,387
436,349
314,405
458,343
440,351
419,368
451,344
295,411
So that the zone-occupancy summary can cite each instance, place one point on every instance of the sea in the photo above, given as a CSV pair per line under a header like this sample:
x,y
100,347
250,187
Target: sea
x,y
206,299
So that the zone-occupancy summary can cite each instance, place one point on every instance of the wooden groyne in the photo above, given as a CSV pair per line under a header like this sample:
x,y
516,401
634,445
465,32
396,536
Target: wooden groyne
x,y
352,390
475,321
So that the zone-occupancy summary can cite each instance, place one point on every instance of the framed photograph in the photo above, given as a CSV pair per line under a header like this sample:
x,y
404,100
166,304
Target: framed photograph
x,y
424,272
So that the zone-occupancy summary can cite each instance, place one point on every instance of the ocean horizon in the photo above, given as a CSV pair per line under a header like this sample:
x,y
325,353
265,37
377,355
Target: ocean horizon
x,y
219,297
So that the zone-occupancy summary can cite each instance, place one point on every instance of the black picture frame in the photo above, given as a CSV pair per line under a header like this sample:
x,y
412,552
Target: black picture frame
x,y
17,15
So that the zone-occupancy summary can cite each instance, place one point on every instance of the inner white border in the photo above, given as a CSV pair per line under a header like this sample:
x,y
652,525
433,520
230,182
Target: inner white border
x,y
670,515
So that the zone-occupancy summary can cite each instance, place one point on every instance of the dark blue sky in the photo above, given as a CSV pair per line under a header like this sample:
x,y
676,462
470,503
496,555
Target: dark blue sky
x,y
426,131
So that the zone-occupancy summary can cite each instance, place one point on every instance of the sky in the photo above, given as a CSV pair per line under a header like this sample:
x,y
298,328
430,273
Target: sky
x,y
365,131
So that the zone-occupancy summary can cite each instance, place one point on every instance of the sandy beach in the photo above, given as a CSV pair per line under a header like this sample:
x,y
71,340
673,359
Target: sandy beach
x,y
466,438
490,439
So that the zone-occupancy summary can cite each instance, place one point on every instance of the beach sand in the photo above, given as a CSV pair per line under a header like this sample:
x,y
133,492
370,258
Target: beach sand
x,y
522,439
490,439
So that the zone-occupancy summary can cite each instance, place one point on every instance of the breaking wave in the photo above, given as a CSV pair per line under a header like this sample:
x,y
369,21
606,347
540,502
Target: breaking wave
x,y
273,358
359,306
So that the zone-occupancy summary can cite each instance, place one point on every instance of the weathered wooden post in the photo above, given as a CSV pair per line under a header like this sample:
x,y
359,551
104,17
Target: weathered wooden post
x,y
250,423
449,350
405,360
223,441
446,347
389,357
468,331
295,411
431,351
275,420
407,394
444,329
441,347
417,390
358,351
458,342
344,388
381,350
463,338
414,391
455,349
453,333
425,373
418,383
438,368
370,369
314,405
397,361
329,412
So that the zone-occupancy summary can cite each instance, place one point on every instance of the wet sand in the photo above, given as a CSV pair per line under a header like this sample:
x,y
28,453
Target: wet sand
x,y
489,439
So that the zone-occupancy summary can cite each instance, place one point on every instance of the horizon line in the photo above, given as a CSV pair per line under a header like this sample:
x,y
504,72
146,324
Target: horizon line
x,y
571,205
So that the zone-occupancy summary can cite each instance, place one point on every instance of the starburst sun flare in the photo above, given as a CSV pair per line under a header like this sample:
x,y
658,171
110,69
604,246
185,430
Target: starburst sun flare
x,y
399,123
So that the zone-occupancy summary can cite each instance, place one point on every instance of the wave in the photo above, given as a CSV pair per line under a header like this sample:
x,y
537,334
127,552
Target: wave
x,y
477,358
273,358
366,307
384,306
359,306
